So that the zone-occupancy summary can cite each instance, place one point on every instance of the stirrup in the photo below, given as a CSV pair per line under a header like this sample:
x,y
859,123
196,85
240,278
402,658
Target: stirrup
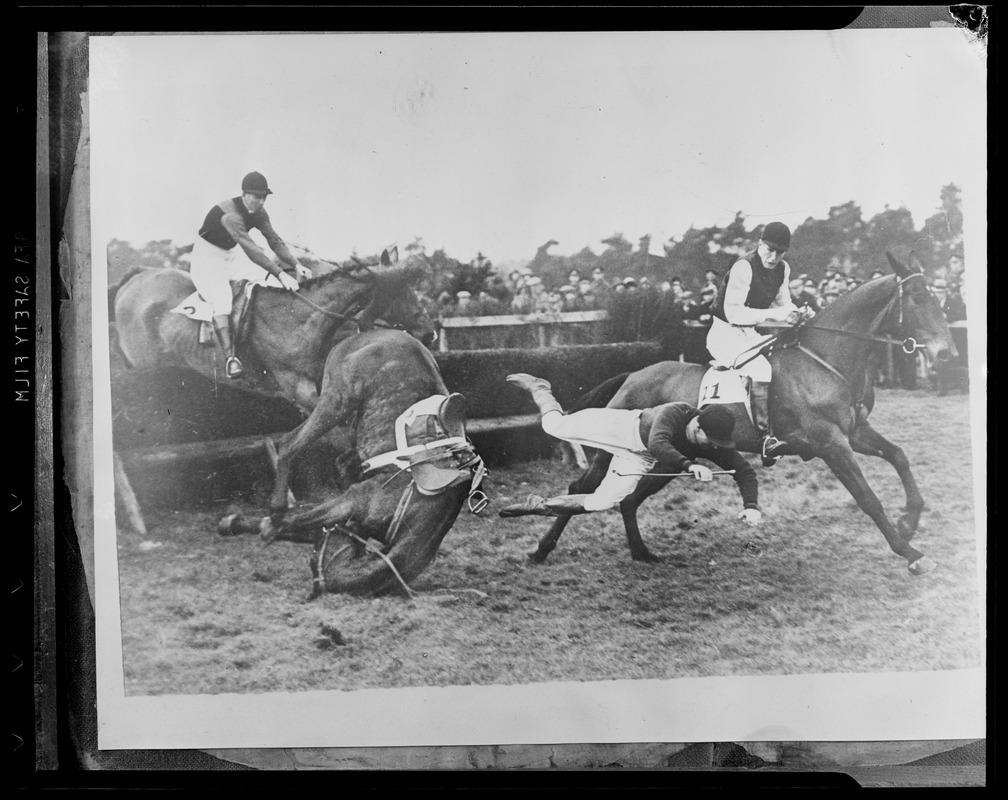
x,y
233,368
770,443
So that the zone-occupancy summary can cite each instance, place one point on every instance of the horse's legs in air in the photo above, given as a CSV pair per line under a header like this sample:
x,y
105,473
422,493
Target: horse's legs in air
x,y
838,455
628,508
587,482
870,442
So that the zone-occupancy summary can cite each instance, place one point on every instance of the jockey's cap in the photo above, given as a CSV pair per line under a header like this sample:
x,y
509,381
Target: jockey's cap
x,y
718,423
255,183
777,234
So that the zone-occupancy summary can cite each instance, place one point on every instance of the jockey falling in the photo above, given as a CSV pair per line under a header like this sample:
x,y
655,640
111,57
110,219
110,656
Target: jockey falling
x,y
672,435
215,263
755,289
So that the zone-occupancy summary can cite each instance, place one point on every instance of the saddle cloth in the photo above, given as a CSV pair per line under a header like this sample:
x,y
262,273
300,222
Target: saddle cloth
x,y
199,310
721,384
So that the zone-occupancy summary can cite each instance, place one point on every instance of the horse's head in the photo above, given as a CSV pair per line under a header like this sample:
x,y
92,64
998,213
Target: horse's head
x,y
916,314
396,301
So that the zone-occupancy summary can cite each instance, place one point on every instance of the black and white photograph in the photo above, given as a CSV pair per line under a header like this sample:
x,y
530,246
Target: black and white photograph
x,y
538,387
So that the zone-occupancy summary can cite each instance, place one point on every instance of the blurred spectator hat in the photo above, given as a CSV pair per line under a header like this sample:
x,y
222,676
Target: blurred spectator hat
x,y
568,289
629,281
534,280
939,285
463,295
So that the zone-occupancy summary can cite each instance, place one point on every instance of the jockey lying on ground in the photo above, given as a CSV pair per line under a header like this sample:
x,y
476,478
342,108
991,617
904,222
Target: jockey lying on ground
x,y
672,435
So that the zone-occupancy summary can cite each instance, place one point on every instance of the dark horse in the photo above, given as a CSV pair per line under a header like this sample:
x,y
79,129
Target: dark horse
x,y
820,399
399,510
288,335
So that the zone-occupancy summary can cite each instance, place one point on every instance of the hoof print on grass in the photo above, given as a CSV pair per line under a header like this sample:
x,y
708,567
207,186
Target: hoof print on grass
x,y
331,637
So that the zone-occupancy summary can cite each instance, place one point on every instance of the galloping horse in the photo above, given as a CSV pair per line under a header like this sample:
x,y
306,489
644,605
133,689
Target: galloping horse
x,y
820,399
382,389
288,335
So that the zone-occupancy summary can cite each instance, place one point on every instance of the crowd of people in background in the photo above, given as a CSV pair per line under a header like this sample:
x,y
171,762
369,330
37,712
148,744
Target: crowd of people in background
x,y
522,292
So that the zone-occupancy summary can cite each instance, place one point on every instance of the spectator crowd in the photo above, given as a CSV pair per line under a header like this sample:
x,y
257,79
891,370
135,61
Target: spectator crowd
x,y
523,292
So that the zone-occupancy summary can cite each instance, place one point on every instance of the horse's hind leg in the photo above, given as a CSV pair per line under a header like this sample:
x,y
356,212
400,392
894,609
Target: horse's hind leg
x,y
587,482
870,442
839,456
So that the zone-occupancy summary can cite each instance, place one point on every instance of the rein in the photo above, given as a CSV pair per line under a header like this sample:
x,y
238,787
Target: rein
x,y
342,315
909,345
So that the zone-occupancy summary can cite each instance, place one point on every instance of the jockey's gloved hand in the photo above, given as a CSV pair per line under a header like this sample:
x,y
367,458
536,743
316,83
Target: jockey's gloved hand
x,y
751,516
288,282
700,472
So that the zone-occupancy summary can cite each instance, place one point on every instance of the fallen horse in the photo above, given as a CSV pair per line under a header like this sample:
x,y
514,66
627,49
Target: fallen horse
x,y
383,389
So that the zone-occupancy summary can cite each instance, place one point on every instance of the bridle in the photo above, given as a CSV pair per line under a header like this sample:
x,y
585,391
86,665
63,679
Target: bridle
x,y
909,344
351,317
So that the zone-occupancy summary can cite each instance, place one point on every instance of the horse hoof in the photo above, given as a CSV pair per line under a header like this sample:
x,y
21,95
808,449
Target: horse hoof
x,y
537,557
226,526
921,566
267,530
647,557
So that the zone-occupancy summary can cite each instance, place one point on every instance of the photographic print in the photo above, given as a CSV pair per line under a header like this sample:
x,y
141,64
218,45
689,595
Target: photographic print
x,y
493,388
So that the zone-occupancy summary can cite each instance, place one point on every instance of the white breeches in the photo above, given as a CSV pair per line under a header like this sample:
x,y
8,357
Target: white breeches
x,y
212,269
727,342
614,430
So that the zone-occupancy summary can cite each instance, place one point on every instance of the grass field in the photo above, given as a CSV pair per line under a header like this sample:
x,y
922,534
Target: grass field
x,y
814,589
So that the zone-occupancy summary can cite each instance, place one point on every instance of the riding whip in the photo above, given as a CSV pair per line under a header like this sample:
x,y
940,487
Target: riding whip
x,y
673,474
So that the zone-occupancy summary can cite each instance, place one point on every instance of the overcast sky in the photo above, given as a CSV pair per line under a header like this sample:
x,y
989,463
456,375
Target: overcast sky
x,y
498,142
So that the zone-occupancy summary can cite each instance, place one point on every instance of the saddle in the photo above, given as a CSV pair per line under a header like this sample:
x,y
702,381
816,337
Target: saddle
x,y
431,443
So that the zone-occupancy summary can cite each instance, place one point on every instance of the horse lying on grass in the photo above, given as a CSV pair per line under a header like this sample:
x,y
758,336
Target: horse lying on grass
x,y
820,399
384,391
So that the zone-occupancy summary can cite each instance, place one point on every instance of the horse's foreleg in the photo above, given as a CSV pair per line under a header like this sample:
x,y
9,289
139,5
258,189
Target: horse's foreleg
x,y
870,442
839,456
548,542
587,482
292,444
628,508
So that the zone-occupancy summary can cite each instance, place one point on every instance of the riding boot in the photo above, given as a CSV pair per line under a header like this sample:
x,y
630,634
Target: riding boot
x,y
222,327
540,390
761,419
562,505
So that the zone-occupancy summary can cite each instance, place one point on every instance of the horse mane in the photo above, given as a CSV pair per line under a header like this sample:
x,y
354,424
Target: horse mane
x,y
863,294
342,272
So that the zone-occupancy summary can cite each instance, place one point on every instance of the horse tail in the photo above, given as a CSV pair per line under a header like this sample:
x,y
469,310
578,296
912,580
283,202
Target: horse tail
x,y
601,394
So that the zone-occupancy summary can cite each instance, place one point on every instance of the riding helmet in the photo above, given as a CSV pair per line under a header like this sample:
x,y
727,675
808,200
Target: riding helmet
x,y
777,234
255,183
718,423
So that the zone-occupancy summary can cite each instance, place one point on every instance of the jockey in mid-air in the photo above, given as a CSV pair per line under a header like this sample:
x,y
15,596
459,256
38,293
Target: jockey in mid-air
x,y
754,290
214,257
673,435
